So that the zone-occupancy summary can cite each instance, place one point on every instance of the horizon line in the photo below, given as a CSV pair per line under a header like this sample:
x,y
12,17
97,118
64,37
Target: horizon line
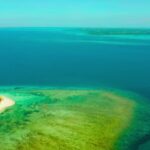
x,y
75,27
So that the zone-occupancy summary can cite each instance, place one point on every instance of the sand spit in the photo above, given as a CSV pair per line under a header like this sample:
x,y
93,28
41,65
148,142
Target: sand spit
x,y
5,102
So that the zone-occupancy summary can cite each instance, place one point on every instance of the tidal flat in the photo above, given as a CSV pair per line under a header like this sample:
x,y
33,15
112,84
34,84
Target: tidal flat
x,y
74,119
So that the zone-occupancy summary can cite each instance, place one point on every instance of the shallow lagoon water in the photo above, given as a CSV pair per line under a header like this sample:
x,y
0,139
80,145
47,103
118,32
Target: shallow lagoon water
x,y
106,119
75,89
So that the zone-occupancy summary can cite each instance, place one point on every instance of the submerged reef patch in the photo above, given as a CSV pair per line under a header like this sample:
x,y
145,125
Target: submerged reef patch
x,y
45,119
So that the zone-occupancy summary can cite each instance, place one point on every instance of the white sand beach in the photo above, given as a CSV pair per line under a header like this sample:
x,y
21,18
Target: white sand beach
x,y
5,102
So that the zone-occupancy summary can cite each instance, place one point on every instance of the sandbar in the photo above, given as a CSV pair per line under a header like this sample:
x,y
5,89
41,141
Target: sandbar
x,y
5,102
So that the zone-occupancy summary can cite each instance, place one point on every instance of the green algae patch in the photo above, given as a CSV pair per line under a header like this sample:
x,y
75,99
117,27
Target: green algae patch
x,y
65,120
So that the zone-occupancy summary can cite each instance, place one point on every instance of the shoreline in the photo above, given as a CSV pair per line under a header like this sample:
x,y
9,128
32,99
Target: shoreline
x,y
5,102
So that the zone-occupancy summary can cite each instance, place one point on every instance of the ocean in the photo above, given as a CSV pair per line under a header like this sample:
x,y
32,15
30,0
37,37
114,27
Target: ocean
x,y
74,89
76,57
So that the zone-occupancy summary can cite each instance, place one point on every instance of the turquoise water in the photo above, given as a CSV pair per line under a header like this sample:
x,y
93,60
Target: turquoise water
x,y
44,119
73,57
65,84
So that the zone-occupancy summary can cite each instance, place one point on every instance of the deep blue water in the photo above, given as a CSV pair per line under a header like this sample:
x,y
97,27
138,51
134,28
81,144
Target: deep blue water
x,y
75,57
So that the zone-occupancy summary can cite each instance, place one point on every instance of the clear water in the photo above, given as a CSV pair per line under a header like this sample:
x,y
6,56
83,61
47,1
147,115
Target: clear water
x,y
72,115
